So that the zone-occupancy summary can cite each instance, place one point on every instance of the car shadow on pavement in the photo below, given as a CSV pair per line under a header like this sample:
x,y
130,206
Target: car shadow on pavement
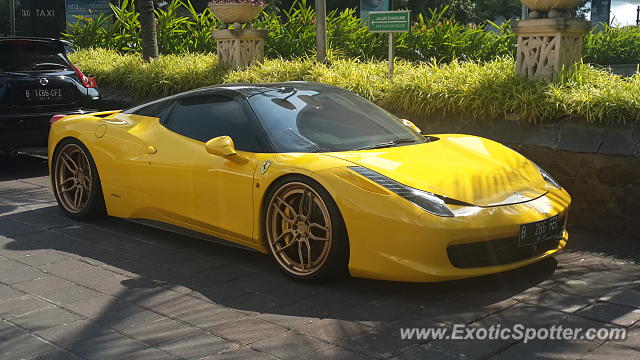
x,y
136,275
150,259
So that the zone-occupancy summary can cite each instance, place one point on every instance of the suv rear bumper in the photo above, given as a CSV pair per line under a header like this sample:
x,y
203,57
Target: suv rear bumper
x,y
28,130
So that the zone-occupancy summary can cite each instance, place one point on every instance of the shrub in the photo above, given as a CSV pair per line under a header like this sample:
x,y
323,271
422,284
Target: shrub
x,y
610,46
486,90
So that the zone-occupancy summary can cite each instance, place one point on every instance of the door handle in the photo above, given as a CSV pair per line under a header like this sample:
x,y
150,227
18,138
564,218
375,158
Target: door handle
x,y
151,150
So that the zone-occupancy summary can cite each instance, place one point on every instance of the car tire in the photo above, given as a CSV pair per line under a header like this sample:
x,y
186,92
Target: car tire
x,y
75,181
311,247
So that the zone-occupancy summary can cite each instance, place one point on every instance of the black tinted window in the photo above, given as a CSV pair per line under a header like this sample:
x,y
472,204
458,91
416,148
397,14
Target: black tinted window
x,y
25,55
205,117
153,110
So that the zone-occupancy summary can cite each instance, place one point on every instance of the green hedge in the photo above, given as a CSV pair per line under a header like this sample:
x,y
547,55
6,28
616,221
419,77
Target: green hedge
x,y
486,90
292,34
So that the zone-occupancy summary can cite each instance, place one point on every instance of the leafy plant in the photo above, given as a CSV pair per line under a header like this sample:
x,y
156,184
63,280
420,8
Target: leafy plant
x,y
483,90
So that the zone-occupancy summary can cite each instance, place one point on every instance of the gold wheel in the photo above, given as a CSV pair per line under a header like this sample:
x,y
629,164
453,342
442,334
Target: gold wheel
x,y
72,178
299,229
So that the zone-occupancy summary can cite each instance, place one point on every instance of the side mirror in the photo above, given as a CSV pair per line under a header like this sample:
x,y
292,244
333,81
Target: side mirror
x,y
221,146
411,125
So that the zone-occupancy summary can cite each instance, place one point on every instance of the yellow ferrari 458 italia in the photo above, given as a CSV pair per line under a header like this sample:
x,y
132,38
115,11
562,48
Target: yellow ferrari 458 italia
x,y
321,179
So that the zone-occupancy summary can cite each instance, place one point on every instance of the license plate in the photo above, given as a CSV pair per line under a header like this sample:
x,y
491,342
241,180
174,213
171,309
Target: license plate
x,y
43,94
540,231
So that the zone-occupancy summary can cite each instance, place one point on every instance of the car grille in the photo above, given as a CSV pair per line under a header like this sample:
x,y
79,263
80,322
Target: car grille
x,y
499,252
496,252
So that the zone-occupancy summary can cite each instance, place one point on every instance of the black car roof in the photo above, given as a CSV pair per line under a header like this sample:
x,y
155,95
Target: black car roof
x,y
248,90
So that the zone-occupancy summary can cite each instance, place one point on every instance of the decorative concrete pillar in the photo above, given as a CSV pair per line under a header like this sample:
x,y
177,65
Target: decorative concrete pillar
x,y
240,48
549,47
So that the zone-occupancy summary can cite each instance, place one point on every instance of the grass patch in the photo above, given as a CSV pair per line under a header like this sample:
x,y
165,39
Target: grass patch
x,y
487,90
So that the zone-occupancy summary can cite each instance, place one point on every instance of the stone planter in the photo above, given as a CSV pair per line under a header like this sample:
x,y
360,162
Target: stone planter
x,y
235,13
547,5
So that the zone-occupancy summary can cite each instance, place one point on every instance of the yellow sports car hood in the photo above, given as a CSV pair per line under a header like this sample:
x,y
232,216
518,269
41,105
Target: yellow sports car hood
x,y
461,167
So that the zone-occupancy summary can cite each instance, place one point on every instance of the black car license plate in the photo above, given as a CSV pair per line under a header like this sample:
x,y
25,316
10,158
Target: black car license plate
x,y
540,231
43,95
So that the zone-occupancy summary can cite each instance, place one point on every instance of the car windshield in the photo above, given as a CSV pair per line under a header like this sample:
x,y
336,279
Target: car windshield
x,y
25,55
328,120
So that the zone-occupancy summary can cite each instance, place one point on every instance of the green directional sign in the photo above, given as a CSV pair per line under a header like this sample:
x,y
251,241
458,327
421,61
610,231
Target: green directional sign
x,y
389,21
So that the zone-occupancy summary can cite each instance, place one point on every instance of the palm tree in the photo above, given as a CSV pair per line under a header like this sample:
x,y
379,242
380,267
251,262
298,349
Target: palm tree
x,y
148,28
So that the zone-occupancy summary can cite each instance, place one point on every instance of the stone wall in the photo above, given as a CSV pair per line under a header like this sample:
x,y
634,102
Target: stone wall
x,y
599,166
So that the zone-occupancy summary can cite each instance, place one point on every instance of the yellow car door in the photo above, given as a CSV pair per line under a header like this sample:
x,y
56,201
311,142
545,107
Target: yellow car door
x,y
211,193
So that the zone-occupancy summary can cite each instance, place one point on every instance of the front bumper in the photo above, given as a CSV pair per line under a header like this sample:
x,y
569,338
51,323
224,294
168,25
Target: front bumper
x,y
29,129
392,239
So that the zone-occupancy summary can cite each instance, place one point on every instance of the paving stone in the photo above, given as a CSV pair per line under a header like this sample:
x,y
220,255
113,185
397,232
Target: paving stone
x,y
424,352
335,353
221,292
43,285
44,258
290,316
10,228
371,315
609,278
197,346
468,349
70,294
22,305
44,319
291,292
8,293
176,304
289,345
128,318
612,352
611,313
11,264
54,355
548,349
23,347
628,297
532,316
584,288
253,304
16,276
193,266
156,332
560,301
79,331
242,353
96,307
246,331
66,267
107,347
379,345
149,354
332,330
88,276
9,331
211,316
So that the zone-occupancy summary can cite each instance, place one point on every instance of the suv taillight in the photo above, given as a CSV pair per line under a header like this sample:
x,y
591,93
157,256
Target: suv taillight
x,y
87,82
55,118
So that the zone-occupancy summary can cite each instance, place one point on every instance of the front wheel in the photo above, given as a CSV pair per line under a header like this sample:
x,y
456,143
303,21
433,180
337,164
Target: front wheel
x,y
305,232
75,181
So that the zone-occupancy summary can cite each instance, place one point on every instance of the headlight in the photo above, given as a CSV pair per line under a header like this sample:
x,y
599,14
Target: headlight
x,y
548,178
429,202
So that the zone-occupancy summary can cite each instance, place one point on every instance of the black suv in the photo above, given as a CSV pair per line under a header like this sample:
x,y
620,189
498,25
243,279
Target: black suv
x,y
37,81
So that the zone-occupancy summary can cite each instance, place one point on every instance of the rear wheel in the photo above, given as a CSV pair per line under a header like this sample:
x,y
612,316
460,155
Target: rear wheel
x,y
75,181
305,232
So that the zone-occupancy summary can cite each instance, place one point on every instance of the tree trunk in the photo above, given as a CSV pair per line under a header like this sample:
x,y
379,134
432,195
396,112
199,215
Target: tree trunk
x,y
148,27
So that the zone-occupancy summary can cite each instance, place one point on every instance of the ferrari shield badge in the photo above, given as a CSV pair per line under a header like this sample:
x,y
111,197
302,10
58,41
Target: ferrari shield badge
x,y
265,167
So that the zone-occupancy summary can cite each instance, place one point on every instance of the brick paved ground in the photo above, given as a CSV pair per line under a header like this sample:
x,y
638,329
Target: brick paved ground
x,y
114,289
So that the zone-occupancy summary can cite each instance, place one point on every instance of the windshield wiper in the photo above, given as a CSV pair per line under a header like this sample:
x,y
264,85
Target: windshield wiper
x,y
387,144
